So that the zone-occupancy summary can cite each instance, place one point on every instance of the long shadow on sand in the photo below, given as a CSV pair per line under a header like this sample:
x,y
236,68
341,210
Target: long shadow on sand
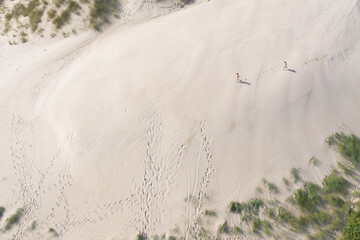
x,y
243,82
292,70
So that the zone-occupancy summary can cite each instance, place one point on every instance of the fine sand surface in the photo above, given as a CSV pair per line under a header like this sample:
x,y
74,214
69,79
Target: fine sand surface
x,y
105,136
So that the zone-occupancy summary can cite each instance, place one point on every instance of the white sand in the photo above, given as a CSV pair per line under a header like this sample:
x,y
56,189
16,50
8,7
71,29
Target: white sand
x,y
105,136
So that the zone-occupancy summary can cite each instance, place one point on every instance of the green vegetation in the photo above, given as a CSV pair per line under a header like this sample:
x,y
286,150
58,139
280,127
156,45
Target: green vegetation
x,y
172,238
51,14
272,188
256,225
267,227
141,236
35,18
223,228
335,184
58,3
352,229
314,161
101,12
210,213
14,219
270,213
347,145
53,232
236,207
255,205
202,233
33,226
2,210
345,169
295,175
286,182
236,230
65,16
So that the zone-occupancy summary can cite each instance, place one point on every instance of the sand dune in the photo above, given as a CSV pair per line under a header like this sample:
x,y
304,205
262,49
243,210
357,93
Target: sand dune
x,y
104,136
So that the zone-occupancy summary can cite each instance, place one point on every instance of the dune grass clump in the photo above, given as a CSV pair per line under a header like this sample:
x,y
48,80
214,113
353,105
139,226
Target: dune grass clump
x,y
141,236
236,207
295,175
51,14
53,232
256,225
308,198
14,219
237,230
347,145
65,16
255,205
2,210
33,226
272,188
335,184
223,228
211,213
101,11
267,227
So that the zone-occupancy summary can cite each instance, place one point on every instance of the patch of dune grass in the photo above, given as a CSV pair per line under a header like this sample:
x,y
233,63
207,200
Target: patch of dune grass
x,y
2,210
236,207
65,16
335,184
53,232
272,188
256,225
211,213
255,205
295,175
14,219
51,14
223,228
101,11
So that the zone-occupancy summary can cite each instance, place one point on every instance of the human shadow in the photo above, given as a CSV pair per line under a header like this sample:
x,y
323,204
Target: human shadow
x,y
243,82
291,70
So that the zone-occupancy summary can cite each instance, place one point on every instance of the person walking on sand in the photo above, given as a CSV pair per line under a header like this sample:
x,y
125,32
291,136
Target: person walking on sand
x,y
285,66
237,77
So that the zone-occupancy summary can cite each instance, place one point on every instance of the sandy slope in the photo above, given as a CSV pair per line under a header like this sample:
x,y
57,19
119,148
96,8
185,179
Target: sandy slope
x,y
105,136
